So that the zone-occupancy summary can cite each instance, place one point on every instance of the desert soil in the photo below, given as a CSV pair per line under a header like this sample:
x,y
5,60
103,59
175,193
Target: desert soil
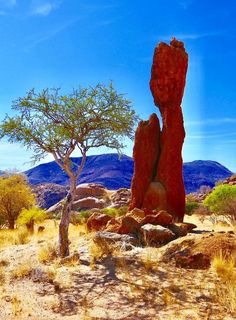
x,y
134,284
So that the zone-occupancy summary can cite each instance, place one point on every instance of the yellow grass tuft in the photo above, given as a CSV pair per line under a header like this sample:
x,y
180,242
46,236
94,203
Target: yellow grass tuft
x,y
21,271
225,289
13,237
16,306
47,253
149,258
2,276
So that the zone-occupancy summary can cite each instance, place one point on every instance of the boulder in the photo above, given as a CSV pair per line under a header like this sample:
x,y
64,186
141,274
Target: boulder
x,y
87,190
113,225
97,221
88,203
137,214
181,229
155,235
120,198
123,241
56,208
162,218
128,225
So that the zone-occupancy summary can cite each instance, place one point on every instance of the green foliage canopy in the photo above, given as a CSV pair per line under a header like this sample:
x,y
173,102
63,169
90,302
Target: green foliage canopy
x,y
50,122
219,200
222,200
31,216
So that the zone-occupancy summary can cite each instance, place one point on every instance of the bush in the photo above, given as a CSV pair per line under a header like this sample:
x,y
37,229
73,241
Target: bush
x,y
82,216
190,207
28,217
115,212
79,217
222,201
15,195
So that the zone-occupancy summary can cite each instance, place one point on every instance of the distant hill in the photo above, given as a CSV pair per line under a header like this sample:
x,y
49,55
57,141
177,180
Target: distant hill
x,y
115,173
203,172
107,169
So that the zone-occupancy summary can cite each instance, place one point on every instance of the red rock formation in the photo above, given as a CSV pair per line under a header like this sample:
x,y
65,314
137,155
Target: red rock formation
x,y
145,154
161,185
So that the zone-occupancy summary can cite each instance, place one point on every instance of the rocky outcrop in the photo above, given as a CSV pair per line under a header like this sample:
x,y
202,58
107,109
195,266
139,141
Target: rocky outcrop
x,y
158,167
48,194
197,251
88,196
120,198
152,228
95,196
86,190
231,180
89,203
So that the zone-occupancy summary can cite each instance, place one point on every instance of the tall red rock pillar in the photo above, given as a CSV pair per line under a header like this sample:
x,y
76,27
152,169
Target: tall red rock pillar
x,y
166,186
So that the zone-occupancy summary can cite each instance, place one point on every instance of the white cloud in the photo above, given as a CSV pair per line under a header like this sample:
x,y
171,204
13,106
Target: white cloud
x,y
44,7
43,10
185,3
49,35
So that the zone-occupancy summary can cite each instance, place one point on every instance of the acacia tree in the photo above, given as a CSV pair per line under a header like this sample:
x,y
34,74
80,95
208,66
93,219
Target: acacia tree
x,y
49,122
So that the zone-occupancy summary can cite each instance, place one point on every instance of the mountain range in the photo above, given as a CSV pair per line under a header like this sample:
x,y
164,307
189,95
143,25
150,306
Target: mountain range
x,y
114,172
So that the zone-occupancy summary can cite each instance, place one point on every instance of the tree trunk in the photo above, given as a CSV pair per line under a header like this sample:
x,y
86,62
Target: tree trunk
x,y
11,223
30,226
65,220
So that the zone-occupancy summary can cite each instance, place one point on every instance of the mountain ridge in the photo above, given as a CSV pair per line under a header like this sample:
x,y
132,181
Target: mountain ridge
x,y
114,172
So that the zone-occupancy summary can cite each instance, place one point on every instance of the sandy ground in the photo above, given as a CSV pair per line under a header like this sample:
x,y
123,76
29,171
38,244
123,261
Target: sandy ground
x,y
127,285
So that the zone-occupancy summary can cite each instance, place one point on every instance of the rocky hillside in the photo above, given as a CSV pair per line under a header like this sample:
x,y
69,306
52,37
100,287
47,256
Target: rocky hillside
x,y
115,173
199,172
105,169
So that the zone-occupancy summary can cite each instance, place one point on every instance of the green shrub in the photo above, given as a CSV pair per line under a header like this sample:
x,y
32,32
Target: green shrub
x,y
190,207
80,217
115,212
28,217
222,201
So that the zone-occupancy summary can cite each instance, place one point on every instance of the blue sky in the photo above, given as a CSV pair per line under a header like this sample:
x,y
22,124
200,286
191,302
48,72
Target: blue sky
x,y
56,43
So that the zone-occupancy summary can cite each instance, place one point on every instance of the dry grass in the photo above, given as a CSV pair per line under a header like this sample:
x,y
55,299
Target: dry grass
x,y
21,271
168,297
63,278
149,258
225,287
100,248
47,253
2,276
13,237
16,305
